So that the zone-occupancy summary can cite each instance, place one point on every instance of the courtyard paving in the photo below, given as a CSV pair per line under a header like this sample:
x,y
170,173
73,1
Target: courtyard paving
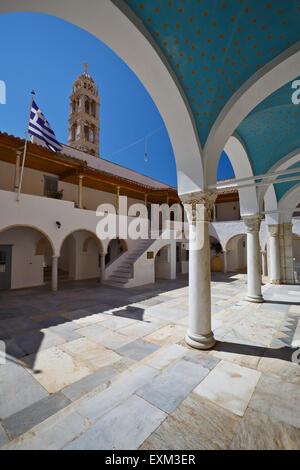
x,y
94,367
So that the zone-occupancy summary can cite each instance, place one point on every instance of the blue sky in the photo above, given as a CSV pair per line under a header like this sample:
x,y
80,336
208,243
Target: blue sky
x,y
127,111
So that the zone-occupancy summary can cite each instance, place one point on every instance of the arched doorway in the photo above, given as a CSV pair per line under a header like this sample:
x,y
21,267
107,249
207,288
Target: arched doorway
x,y
80,256
162,263
115,249
216,255
25,255
237,253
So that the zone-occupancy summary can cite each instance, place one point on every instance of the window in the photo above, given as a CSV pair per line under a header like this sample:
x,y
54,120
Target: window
x,y
87,105
50,186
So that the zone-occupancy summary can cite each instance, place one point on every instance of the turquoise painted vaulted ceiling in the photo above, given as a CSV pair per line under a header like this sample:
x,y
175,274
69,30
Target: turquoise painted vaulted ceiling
x,y
214,46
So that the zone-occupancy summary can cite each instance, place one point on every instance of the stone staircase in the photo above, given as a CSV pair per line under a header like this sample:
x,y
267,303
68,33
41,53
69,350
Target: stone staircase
x,y
124,268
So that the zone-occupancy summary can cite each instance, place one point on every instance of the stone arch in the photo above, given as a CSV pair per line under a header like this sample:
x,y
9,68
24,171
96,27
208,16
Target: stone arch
x,y
288,203
91,235
283,164
119,28
238,156
45,236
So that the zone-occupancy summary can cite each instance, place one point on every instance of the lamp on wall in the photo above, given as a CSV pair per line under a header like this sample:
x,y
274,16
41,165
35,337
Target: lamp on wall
x,y
58,224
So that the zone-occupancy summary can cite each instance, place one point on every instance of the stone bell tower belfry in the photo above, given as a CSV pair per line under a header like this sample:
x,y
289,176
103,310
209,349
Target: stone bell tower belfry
x,y
84,122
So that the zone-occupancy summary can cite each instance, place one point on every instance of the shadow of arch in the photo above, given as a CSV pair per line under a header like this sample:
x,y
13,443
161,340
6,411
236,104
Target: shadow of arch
x,y
45,237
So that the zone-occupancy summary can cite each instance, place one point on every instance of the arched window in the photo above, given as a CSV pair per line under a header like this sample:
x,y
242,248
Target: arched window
x,y
87,105
74,132
92,136
93,108
86,133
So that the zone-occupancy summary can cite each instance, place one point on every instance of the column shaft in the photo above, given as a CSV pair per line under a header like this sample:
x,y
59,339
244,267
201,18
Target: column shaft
x,y
54,273
253,258
17,171
80,191
225,253
198,207
264,263
102,267
274,254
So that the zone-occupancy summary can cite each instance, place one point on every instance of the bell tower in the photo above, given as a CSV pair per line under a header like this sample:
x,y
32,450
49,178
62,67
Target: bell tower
x,y
84,122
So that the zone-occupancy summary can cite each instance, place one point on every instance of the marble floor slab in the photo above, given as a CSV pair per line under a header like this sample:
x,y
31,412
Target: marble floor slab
x,y
138,349
258,431
18,389
123,428
90,354
277,399
96,406
54,369
184,376
196,424
230,386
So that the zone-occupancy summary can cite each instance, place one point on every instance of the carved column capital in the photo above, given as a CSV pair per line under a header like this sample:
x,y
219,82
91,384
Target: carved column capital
x,y
273,230
198,205
252,223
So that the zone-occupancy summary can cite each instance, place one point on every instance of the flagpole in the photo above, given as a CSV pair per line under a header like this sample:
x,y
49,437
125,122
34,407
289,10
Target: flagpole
x,y
25,148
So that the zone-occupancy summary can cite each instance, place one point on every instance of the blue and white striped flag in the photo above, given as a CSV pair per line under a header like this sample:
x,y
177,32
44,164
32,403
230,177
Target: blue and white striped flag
x,y
40,127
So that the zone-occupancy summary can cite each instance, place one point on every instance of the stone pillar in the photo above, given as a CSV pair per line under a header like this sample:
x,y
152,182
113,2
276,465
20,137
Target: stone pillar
x,y
264,263
274,254
17,170
102,267
286,253
117,199
252,225
80,191
225,253
214,213
145,203
198,207
54,273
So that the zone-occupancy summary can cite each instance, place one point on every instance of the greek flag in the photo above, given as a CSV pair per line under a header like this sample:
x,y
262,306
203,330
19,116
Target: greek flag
x,y
40,127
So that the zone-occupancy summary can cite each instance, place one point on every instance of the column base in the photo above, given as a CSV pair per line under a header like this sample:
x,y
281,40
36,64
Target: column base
x,y
258,299
200,341
275,281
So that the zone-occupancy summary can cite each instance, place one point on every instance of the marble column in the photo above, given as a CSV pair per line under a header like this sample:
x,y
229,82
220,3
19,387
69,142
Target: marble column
x,y
252,225
117,200
198,207
102,267
17,171
274,254
225,253
54,273
264,263
214,213
80,191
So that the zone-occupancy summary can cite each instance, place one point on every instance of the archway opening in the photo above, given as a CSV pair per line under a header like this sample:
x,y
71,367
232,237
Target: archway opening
x,y
162,263
237,254
80,256
115,249
216,255
25,257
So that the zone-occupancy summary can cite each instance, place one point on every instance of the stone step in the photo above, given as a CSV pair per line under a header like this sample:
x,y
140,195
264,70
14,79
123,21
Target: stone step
x,y
116,278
